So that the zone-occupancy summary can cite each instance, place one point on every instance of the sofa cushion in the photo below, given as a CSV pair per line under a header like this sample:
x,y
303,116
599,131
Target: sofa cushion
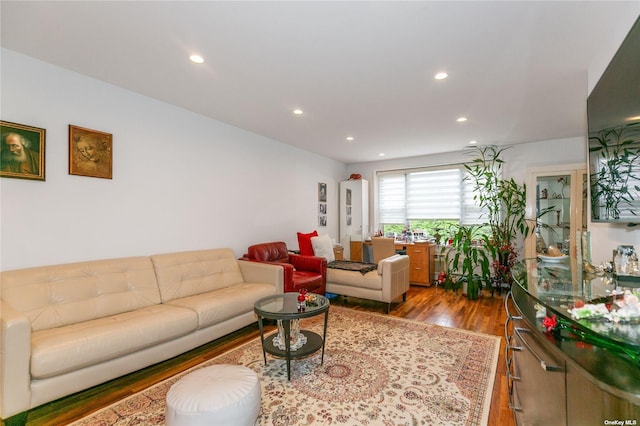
x,y
64,349
370,280
304,243
221,305
185,274
60,295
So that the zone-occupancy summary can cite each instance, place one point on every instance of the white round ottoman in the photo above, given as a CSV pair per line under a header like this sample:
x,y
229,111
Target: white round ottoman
x,y
221,395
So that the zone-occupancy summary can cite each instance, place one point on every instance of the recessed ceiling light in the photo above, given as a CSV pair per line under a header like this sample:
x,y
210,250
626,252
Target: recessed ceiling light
x,y
637,117
297,111
350,138
441,76
473,142
461,119
381,154
196,59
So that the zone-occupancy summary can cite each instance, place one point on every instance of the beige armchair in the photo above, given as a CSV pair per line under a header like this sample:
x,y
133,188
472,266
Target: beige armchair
x,y
386,283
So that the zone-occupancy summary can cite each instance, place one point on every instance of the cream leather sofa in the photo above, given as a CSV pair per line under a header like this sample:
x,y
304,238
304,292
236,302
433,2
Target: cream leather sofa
x,y
68,327
385,284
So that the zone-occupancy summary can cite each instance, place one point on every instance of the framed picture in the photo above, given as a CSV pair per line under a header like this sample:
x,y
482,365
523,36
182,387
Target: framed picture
x,y
322,192
22,151
90,153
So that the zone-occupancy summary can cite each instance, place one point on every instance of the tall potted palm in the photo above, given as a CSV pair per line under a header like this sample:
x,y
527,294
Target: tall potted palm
x,y
504,203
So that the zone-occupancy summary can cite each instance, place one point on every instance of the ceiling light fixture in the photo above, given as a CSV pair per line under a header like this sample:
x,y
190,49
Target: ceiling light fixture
x,y
350,138
473,142
461,119
441,76
196,59
381,154
297,111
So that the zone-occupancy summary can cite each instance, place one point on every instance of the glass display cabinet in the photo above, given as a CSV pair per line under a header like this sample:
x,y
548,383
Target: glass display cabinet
x,y
556,206
572,357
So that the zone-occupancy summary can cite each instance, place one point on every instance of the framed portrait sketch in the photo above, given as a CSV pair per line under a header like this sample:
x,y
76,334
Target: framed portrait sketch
x,y
90,153
22,151
322,192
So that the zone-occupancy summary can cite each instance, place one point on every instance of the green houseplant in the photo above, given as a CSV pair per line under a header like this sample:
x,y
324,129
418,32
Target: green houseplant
x,y
468,261
504,202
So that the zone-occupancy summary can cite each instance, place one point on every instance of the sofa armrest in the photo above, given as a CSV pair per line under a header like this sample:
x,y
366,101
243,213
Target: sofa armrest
x,y
272,273
15,360
309,263
395,276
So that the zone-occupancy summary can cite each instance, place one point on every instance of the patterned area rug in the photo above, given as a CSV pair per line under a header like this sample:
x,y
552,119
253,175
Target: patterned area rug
x,y
378,370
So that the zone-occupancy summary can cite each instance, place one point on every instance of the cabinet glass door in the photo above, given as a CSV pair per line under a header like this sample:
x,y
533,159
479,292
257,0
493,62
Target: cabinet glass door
x,y
556,201
553,209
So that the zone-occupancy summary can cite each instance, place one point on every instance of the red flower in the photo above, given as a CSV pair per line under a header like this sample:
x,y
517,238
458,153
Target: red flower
x,y
582,345
550,323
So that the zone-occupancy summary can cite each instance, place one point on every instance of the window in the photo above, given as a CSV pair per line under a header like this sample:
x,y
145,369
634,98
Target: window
x,y
430,194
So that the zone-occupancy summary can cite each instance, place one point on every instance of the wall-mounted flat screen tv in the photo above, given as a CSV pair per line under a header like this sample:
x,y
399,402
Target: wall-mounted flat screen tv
x,y
613,109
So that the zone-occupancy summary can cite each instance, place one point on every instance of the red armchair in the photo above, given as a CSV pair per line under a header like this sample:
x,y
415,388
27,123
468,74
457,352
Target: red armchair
x,y
308,272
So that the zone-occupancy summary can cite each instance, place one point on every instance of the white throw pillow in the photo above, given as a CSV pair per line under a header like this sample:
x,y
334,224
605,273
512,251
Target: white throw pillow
x,y
322,247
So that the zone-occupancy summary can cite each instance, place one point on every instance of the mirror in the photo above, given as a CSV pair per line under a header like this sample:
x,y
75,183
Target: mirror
x,y
614,136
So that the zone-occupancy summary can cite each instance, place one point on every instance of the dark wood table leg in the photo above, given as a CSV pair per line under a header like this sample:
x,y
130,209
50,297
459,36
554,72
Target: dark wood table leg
x,y
287,345
264,353
324,335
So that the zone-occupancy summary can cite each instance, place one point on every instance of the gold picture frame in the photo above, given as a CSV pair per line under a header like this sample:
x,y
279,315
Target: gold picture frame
x,y
90,153
22,150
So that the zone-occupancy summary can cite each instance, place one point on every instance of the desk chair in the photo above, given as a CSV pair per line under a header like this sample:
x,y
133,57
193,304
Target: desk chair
x,y
382,248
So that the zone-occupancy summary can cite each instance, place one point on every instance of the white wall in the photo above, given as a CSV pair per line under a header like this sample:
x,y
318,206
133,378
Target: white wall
x,y
518,158
618,26
183,181
180,181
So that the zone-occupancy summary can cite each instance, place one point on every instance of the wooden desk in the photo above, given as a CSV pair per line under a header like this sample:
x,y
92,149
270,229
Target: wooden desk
x,y
421,259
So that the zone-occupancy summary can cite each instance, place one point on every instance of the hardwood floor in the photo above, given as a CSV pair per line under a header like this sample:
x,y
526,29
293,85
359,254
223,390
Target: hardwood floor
x,y
427,304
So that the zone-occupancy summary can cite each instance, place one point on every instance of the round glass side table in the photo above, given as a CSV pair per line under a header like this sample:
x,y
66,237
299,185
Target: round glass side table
x,y
284,309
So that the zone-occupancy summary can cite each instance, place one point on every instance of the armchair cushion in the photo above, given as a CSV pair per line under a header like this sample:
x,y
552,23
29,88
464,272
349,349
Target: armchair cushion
x,y
269,252
322,247
304,243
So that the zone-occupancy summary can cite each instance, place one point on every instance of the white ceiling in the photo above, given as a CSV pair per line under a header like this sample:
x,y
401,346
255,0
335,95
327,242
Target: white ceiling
x,y
518,70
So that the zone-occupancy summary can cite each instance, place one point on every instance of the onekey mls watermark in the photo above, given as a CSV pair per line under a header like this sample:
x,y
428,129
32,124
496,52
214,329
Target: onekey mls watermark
x,y
629,422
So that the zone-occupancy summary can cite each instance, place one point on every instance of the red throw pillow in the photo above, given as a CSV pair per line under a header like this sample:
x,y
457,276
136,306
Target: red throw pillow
x,y
304,243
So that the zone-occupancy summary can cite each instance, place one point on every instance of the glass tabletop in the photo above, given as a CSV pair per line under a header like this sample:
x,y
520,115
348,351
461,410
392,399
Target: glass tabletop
x,y
285,306
562,288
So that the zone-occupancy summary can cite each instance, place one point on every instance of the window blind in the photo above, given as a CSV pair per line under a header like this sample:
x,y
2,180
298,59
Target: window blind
x,y
438,193
434,194
392,198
